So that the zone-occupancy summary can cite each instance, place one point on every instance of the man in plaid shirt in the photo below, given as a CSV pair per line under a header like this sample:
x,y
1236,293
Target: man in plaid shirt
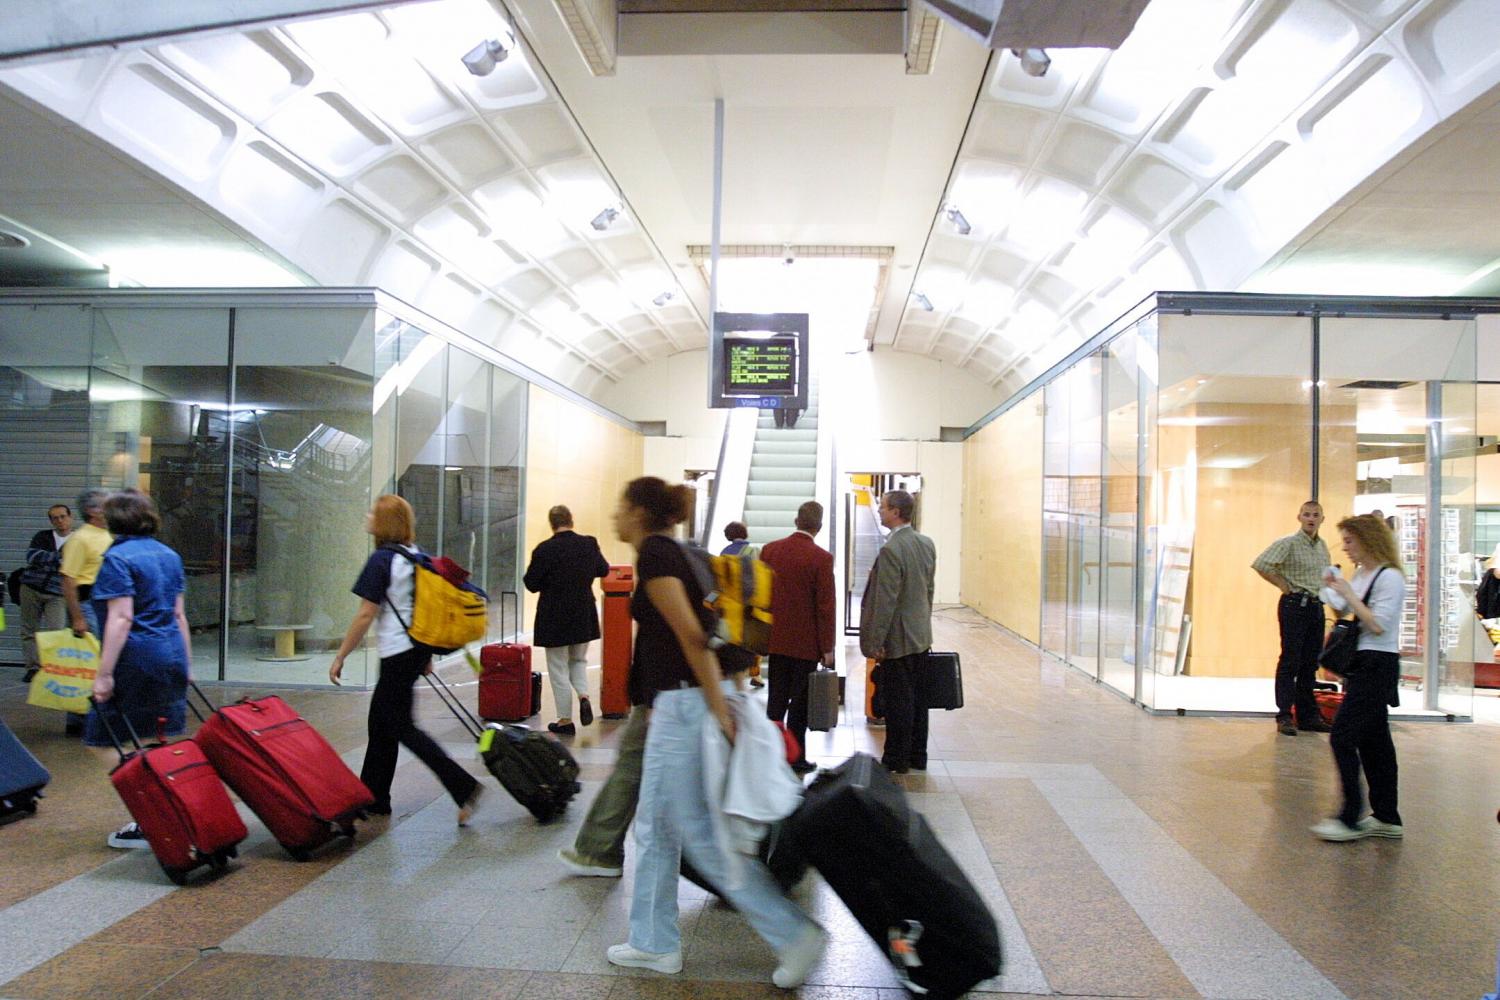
x,y
1294,565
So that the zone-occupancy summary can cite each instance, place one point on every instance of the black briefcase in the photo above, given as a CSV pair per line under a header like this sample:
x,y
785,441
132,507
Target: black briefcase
x,y
944,684
882,860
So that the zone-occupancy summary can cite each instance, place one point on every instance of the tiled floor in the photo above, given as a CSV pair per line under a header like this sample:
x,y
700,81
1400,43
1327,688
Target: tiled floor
x,y
1123,855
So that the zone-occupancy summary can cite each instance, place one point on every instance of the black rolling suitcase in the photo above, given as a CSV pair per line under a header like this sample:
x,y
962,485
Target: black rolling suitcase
x,y
22,776
943,687
882,860
535,769
777,853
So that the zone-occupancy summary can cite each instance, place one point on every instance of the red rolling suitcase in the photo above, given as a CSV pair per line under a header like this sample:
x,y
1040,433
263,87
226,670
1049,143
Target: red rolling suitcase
x,y
175,796
286,772
505,678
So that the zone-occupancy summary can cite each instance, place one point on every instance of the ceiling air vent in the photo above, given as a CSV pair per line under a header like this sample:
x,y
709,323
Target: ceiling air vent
x,y
10,241
1375,383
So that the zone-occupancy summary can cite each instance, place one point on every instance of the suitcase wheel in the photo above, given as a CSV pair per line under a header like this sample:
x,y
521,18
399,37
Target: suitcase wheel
x,y
177,875
220,861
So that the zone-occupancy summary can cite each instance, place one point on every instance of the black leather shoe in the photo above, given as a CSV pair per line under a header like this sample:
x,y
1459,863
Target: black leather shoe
x,y
585,712
919,767
1316,726
1286,727
562,728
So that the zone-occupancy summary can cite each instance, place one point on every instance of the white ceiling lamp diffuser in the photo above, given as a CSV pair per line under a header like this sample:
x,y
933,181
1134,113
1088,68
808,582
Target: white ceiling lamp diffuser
x,y
1030,327
985,194
986,302
603,299
562,321
1105,250
1047,216
519,217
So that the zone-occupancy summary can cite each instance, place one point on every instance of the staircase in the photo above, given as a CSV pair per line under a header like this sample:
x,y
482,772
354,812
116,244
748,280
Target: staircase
x,y
783,472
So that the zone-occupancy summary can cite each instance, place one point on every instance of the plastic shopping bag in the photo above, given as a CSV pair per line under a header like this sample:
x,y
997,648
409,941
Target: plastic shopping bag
x,y
66,677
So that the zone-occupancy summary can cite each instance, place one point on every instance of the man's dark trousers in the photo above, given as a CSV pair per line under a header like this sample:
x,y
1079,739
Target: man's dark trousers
x,y
786,697
1301,619
903,689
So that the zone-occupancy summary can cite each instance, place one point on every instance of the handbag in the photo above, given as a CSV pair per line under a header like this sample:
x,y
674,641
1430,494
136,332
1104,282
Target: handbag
x,y
1343,639
65,679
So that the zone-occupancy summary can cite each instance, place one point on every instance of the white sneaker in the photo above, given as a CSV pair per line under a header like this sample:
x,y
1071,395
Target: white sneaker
x,y
1375,828
799,958
127,837
1338,831
633,958
580,865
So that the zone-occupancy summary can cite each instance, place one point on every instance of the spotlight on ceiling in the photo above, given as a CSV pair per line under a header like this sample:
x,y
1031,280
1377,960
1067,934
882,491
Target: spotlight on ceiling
x,y
662,299
922,301
482,59
1034,62
960,223
606,216
10,241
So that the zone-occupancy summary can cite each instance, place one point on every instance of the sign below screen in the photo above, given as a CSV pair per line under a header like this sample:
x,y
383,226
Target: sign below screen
x,y
759,359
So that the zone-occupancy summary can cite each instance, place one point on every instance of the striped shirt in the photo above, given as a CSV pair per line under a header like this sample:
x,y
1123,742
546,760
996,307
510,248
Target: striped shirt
x,y
1298,559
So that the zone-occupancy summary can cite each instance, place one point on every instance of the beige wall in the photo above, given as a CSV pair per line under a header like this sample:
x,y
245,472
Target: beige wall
x,y
576,457
1002,520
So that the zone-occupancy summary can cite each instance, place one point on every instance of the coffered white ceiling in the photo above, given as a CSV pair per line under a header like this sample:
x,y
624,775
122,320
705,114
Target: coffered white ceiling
x,y
357,150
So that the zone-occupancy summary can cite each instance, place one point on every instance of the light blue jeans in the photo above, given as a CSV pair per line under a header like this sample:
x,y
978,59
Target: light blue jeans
x,y
672,819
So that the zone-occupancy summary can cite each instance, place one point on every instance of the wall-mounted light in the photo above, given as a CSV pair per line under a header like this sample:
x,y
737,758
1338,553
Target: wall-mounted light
x,y
482,59
923,301
606,216
662,299
960,223
1034,62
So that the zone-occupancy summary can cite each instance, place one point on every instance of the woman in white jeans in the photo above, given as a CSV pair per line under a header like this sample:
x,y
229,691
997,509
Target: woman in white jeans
x,y
679,677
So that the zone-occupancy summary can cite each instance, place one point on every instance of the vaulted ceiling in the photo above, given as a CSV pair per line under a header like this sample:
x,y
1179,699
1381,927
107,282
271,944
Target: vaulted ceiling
x,y
1225,141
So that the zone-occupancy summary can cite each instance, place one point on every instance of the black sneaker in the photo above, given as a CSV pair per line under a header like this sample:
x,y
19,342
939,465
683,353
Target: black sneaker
x,y
127,837
585,712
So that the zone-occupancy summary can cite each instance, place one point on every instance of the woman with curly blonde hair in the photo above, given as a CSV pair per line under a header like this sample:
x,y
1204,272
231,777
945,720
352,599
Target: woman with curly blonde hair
x,y
1361,735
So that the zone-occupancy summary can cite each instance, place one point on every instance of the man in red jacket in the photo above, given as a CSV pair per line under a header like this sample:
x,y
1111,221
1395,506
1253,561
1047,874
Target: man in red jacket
x,y
801,620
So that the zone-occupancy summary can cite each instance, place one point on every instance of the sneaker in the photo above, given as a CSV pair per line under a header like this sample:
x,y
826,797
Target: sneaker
x,y
1286,727
633,958
562,728
1375,828
585,712
471,805
799,958
127,837
588,867
1336,830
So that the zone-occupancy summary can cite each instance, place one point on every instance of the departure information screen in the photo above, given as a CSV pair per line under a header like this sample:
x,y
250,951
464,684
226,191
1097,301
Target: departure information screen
x,y
760,367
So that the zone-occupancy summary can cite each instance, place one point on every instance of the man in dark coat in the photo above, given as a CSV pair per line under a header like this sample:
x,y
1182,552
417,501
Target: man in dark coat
x,y
562,571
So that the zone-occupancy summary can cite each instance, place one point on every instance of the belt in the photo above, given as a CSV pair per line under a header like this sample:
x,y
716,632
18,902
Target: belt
x,y
1303,599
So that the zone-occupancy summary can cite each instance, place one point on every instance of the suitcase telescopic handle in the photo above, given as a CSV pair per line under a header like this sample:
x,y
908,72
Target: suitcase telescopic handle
x,y
101,710
455,704
515,598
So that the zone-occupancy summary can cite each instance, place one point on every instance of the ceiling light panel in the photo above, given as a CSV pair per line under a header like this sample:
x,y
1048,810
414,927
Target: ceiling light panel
x,y
252,73
325,130
1199,135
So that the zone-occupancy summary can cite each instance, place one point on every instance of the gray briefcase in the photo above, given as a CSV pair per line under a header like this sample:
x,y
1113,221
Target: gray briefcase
x,y
822,700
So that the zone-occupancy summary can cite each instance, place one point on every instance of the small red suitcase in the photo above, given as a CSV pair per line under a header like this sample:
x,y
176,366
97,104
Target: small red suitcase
x,y
177,799
505,678
286,772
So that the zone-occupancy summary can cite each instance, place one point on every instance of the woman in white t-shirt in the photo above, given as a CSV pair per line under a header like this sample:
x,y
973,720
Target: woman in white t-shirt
x,y
385,591
1361,731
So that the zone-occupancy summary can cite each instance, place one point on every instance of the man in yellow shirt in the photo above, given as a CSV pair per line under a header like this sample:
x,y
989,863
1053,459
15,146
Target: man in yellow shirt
x,y
82,555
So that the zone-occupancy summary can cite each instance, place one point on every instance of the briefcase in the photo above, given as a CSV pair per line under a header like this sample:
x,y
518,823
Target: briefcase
x,y
944,683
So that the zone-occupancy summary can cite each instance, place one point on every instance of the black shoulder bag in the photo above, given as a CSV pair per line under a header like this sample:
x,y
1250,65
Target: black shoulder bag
x,y
1338,649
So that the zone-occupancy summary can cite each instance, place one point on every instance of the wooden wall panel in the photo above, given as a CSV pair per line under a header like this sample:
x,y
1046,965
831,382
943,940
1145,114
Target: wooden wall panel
x,y
1002,520
576,457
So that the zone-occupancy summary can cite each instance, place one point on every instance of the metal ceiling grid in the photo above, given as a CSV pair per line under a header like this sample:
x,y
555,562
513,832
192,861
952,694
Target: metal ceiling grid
x,y
1187,158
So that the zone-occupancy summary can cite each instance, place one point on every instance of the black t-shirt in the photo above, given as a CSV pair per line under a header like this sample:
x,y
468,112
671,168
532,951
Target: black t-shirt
x,y
658,664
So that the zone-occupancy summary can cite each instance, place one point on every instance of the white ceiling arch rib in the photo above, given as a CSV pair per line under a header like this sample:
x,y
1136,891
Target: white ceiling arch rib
x,y
359,149
1188,157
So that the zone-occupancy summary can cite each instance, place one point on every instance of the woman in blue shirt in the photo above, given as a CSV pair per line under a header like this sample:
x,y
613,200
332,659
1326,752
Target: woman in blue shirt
x,y
145,656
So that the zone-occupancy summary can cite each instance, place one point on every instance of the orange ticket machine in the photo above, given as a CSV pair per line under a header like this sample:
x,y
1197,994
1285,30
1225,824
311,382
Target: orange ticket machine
x,y
614,662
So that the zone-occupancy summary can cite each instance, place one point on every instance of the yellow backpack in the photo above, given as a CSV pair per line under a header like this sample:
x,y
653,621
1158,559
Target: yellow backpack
x,y
448,612
738,590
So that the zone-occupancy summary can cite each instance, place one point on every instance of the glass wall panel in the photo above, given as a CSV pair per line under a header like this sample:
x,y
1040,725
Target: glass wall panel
x,y
1118,514
160,421
1233,464
421,443
1084,507
465,491
1055,417
1399,402
1148,512
44,428
505,464
302,457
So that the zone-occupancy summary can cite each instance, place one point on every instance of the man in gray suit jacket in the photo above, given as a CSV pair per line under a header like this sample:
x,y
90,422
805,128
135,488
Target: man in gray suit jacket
x,y
895,628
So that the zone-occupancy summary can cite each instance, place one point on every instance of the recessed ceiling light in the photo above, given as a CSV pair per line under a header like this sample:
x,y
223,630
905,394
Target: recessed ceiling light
x,y
10,241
